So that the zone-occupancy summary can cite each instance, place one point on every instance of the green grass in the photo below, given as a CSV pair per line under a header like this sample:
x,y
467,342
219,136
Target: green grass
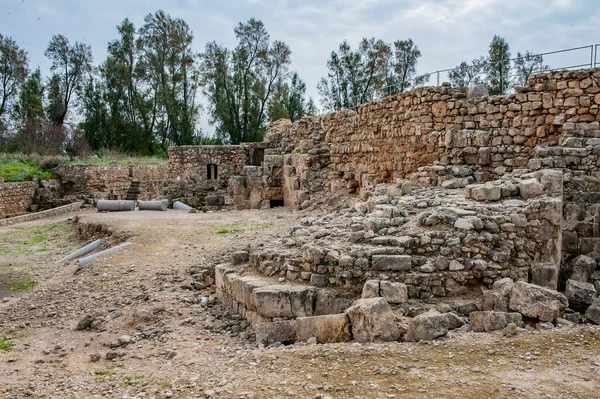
x,y
6,344
14,169
235,228
20,285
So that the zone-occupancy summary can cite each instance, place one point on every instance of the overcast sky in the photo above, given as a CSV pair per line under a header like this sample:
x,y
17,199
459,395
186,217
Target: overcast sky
x,y
446,31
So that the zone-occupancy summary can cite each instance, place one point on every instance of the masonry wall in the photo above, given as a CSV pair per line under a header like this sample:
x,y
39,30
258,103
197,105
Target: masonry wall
x,y
16,198
393,137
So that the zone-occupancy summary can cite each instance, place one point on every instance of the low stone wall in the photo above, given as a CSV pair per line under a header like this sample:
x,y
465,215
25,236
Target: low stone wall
x,y
41,215
16,198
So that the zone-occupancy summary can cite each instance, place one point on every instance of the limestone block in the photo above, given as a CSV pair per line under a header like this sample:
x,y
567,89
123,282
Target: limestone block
x,y
537,302
391,262
485,192
498,297
427,326
327,302
284,301
326,329
370,289
580,294
281,331
373,321
530,188
394,292
488,321
583,267
593,312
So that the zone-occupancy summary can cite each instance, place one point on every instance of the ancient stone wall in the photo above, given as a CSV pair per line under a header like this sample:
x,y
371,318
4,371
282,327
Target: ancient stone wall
x,y
93,182
16,198
395,136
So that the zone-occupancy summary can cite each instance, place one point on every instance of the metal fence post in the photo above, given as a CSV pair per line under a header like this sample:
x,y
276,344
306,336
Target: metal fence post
x,y
438,78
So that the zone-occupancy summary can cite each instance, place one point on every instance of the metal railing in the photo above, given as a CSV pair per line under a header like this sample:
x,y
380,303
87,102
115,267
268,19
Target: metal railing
x,y
580,60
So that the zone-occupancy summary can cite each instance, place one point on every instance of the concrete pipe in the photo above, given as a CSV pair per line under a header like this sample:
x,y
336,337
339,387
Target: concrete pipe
x,y
152,206
115,206
90,258
180,206
82,251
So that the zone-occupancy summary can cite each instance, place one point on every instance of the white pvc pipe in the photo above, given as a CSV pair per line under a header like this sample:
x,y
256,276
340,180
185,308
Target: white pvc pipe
x,y
82,251
90,258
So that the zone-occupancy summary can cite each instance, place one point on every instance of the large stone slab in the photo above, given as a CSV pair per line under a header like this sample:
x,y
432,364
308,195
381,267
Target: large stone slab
x,y
288,301
242,288
593,312
329,302
537,302
427,326
498,297
391,262
393,292
373,321
326,329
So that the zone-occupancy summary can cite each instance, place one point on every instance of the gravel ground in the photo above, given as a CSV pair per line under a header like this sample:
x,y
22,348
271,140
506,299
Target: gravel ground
x,y
152,337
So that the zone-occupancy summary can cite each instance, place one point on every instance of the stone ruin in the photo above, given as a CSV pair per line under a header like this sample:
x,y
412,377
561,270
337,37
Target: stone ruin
x,y
444,210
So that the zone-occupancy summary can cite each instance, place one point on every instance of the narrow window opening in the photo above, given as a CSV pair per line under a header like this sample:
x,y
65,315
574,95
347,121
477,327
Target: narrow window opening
x,y
212,171
257,156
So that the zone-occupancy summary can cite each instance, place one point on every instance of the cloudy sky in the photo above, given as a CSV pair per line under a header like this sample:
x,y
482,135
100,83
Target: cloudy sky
x,y
446,31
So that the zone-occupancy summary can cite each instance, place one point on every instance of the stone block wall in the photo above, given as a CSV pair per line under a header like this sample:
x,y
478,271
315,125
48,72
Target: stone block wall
x,y
16,198
395,136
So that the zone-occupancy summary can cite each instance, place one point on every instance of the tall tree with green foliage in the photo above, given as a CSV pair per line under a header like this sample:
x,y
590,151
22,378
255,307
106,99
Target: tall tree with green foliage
x,y
30,104
376,69
241,83
498,66
290,102
13,71
70,64
467,74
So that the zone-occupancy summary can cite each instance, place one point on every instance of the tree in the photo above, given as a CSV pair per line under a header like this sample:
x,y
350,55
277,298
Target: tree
x,y
69,64
526,65
170,67
375,70
13,70
498,68
289,100
466,74
404,64
30,104
241,84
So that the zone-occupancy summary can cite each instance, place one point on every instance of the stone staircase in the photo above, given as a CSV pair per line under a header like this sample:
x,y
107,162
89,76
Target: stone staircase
x,y
134,191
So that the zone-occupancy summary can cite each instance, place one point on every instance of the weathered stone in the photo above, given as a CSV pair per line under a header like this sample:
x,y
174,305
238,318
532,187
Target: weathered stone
x,y
466,307
593,312
282,331
391,262
370,289
284,301
239,257
582,268
319,280
485,192
373,321
477,91
393,292
491,321
530,188
326,329
498,297
427,326
328,302
85,322
537,302
580,294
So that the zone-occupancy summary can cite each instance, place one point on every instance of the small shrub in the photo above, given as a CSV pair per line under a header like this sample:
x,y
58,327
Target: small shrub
x,y
6,344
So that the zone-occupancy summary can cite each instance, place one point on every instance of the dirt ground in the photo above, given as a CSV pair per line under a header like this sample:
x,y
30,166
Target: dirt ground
x,y
180,348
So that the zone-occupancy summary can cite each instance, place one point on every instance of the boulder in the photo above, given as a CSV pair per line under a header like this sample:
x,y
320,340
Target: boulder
x,y
328,302
530,188
488,321
593,312
373,321
427,326
580,294
394,292
281,331
370,289
326,329
582,268
485,192
239,257
465,307
477,91
497,298
537,302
